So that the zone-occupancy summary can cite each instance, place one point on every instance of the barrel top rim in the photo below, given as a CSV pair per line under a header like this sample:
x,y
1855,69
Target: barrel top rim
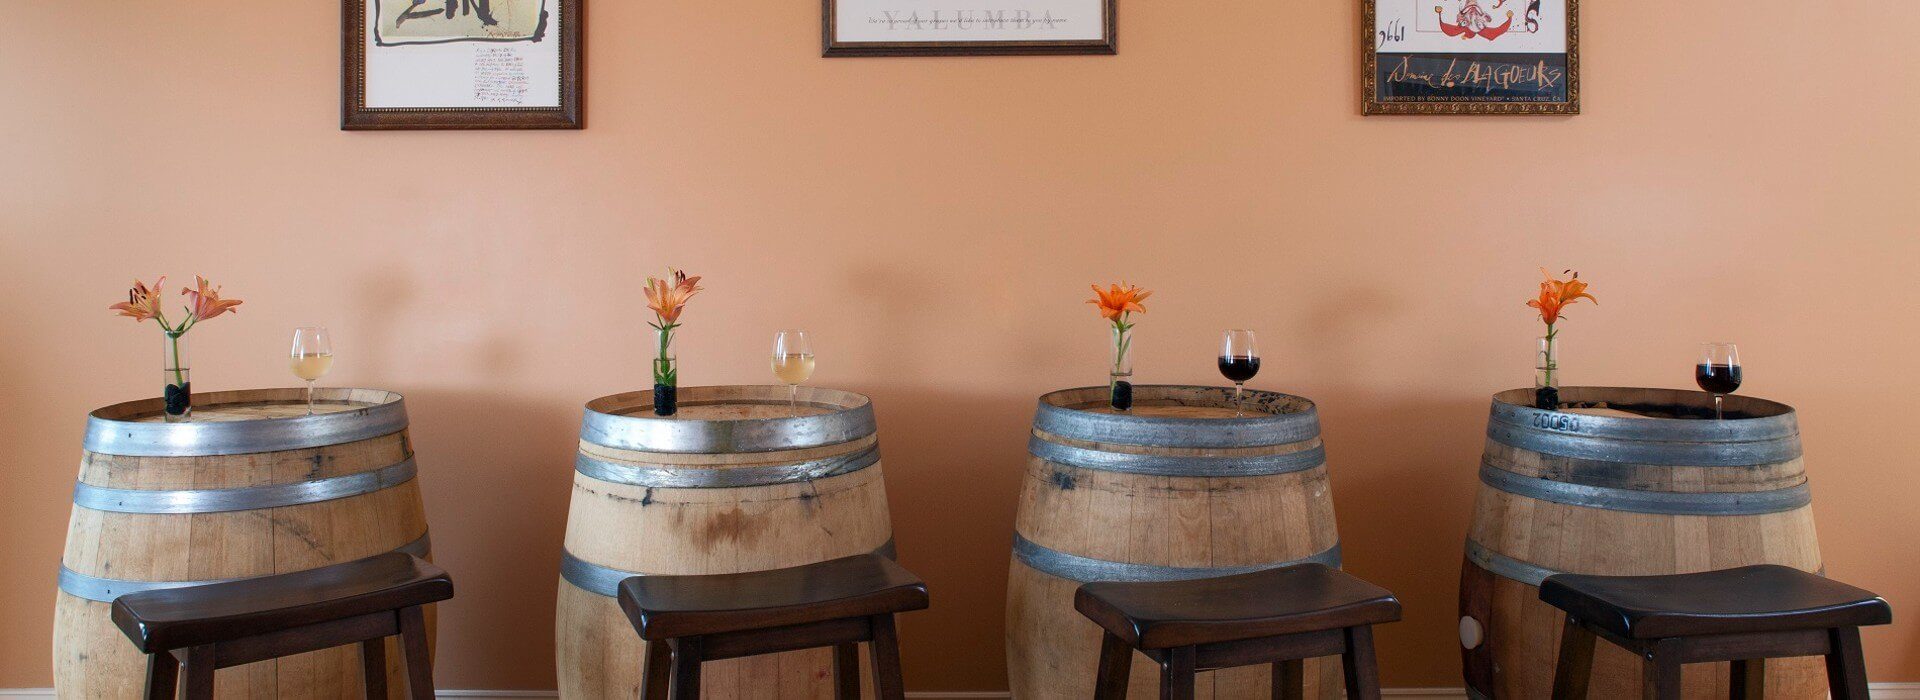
x,y
842,402
111,429
1052,401
850,417
1766,409
117,413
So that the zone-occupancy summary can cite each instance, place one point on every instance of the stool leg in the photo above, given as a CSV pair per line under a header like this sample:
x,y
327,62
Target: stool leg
x,y
1362,671
413,644
373,664
1116,663
163,675
199,672
846,671
1290,679
1176,676
1747,679
1846,667
1575,667
1660,672
888,684
659,670
686,668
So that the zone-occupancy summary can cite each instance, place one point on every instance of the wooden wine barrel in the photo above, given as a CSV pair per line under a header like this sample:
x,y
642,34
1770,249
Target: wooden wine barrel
x,y
733,482
1625,482
1176,488
252,486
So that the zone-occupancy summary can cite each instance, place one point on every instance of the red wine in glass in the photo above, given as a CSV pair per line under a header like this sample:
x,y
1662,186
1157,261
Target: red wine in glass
x,y
1718,373
1239,361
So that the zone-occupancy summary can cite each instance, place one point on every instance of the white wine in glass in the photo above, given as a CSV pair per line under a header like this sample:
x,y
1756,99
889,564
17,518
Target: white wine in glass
x,y
312,357
793,364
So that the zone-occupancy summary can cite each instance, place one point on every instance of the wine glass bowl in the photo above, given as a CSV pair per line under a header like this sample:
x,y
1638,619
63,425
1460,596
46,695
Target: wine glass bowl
x,y
312,357
1717,372
1239,362
792,364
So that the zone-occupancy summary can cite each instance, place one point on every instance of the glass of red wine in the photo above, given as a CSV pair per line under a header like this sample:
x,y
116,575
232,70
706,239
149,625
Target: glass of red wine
x,y
1239,361
1718,372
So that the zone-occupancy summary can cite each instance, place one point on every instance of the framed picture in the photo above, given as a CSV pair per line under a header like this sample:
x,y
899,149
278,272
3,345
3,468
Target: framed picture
x,y
966,27
460,64
1471,56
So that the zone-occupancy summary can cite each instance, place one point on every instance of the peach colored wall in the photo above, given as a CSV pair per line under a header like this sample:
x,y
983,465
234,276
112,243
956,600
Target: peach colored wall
x,y
1743,171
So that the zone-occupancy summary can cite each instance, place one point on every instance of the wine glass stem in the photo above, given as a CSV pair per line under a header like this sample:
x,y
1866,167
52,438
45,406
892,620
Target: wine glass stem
x,y
1718,414
793,399
309,397
1238,408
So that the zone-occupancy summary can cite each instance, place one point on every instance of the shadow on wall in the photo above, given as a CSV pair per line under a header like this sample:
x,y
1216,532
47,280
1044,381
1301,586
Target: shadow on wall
x,y
1414,552
952,503
496,500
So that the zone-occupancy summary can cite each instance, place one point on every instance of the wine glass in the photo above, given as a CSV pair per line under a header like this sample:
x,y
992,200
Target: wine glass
x,y
312,357
1239,361
1718,372
793,364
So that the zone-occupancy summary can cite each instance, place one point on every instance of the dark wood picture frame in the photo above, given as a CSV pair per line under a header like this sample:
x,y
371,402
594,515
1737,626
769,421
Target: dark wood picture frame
x,y
1372,105
356,116
1106,45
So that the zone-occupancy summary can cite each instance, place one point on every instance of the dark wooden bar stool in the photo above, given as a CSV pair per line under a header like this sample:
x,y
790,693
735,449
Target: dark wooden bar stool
x,y
218,625
1744,615
688,620
1278,616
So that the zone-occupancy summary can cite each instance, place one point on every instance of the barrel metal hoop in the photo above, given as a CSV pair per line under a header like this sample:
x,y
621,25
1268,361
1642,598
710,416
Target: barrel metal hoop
x,y
1637,501
114,500
1666,442
1160,465
1507,567
605,580
1073,567
646,434
1527,572
1163,431
105,590
732,477
213,438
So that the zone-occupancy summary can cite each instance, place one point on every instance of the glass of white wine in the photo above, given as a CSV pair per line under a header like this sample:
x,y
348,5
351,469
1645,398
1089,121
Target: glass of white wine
x,y
793,364
312,357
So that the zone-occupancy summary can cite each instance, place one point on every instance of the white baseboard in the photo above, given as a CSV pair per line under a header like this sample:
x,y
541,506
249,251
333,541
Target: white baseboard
x,y
1881,691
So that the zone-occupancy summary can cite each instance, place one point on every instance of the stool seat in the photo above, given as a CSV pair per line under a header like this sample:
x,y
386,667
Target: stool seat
x,y
666,606
1287,600
174,618
1765,598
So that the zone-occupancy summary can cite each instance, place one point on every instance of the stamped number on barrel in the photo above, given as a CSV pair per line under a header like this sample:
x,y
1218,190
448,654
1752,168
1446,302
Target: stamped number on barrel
x,y
1557,421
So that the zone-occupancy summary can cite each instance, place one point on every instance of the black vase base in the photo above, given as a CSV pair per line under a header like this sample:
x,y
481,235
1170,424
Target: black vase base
x,y
1547,398
1122,396
666,400
179,398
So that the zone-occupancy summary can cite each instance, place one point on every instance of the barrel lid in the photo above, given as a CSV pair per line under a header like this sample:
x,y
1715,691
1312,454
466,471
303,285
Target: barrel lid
x,y
1272,418
1666,427
728,419
244,422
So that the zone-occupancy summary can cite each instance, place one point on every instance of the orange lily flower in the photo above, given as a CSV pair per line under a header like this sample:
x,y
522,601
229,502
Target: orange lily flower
x,y
668,297
143,302
1118,300
206,303
1556,294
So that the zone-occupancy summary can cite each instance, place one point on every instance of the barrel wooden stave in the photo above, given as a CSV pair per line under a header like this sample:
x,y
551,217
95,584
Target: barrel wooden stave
x,y
91,656
681,530
1158,520
1517,656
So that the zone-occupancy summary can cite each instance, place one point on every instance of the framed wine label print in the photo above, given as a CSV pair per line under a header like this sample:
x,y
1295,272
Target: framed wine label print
x,y
460,64
966,27
1471,56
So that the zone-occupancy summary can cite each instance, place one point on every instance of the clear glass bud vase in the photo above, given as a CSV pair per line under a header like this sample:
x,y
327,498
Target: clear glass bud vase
x,y
1546,373
1119,389
666,375
176,376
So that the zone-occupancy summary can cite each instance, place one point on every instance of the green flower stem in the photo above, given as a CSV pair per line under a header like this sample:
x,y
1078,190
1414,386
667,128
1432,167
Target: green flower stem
x,y
1551,361
179,374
